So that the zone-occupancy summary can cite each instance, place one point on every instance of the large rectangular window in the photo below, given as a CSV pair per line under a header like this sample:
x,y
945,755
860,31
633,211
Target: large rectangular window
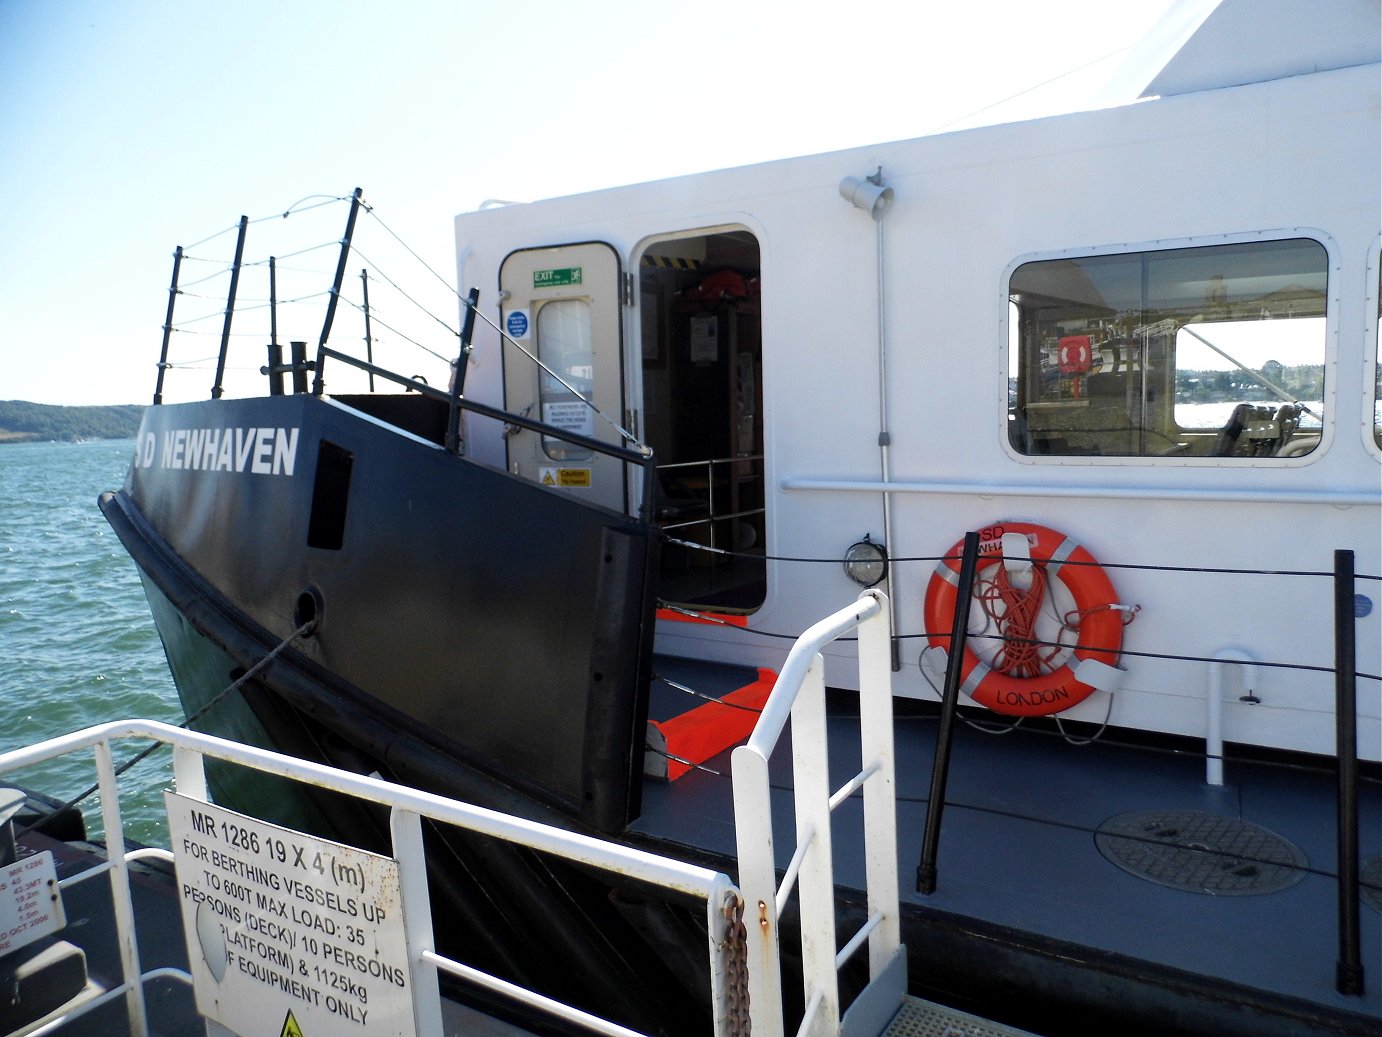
x,y
1214,352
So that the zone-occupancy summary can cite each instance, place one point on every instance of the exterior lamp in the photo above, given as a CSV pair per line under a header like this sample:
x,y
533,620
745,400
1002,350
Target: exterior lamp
x,y
866,563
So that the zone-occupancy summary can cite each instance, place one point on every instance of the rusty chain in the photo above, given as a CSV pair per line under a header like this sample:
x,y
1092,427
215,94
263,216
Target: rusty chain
x,y
736,956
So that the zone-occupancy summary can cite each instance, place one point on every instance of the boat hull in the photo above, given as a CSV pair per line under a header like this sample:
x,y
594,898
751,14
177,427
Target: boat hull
x,y
462,701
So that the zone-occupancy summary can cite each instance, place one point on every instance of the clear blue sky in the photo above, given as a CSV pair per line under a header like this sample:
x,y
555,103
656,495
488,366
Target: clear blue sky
x,y
130,126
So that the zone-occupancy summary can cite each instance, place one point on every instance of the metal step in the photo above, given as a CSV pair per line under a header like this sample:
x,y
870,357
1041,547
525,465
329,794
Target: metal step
x,y
918,1018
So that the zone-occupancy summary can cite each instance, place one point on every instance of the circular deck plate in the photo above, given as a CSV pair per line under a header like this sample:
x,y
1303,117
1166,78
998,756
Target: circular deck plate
x,y
1370,880
1200,853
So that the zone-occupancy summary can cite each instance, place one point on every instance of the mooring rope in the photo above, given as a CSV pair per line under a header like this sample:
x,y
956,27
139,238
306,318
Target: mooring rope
x,y
239,682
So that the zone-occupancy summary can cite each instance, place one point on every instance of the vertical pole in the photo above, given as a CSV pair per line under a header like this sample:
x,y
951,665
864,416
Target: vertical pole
x,y
122,900
216,389
275,349
168,326
940,768
369,339
317,383
1349,970
299,361
453,420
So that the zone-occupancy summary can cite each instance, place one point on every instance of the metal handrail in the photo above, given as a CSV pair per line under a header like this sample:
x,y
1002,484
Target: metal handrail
x,y
408,808
712,516
638,458
799,695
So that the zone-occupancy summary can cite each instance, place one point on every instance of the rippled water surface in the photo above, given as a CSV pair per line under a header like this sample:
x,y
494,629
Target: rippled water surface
x,y
77,644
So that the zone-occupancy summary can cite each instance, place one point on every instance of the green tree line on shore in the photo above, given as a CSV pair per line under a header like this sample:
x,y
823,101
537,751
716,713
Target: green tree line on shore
x,y
22,422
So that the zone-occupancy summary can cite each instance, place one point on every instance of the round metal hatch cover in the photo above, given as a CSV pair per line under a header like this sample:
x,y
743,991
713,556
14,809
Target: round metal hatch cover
x,y
1200,853
1370,882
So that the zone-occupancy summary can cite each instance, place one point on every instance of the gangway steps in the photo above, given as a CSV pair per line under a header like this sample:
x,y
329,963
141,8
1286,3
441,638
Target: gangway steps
x,y
919,1018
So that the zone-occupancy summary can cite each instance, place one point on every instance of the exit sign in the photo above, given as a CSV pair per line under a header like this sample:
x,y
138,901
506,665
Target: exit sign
x,y
557,278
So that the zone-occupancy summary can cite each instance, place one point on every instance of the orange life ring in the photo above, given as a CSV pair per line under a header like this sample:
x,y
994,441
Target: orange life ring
x,y
1099,630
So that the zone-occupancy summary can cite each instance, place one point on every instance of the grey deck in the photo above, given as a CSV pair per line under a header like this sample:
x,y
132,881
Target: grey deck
x,y
1018,851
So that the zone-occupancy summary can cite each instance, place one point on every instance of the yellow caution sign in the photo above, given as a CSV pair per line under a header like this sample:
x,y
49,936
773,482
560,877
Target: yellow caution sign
x,y
290,1026
564,476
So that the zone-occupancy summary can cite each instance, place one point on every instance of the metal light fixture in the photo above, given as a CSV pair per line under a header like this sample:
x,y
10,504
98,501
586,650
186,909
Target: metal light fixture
x,y
866,563
867,193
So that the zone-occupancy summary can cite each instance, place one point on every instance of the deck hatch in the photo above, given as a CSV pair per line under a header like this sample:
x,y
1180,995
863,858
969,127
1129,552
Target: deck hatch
x,y
1200,853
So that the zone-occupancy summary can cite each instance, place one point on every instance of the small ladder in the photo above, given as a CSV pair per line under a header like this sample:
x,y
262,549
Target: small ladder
x,y
882,1008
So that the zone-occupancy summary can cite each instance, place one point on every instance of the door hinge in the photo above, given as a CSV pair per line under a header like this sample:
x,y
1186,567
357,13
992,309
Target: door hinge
x,y
628,288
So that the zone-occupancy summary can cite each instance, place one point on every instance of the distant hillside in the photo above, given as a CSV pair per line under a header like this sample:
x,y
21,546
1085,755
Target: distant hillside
x,y
20,421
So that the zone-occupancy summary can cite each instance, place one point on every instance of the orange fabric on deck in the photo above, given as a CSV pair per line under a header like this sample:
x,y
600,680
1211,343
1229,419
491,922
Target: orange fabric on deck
x,y
710,728
718,618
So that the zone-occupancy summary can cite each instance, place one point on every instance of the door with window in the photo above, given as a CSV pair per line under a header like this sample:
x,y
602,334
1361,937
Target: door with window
x,y
563,365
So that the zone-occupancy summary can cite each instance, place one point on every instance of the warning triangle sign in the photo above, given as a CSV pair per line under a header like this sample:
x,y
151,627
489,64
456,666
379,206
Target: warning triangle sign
x,y
290,1026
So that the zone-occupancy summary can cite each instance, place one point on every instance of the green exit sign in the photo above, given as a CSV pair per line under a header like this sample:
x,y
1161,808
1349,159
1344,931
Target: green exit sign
x,y
557,278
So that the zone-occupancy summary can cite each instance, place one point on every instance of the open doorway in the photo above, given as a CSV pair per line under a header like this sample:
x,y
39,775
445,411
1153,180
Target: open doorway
x,y
703,415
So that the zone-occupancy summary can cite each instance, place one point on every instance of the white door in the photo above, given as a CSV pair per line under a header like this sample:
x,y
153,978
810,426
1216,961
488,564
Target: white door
x,y
563,365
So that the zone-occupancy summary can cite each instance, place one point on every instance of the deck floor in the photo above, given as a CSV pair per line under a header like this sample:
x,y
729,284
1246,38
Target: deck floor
x,y
1017,849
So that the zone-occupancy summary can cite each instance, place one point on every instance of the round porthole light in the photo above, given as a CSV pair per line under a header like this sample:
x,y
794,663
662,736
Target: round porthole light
x,y
866,563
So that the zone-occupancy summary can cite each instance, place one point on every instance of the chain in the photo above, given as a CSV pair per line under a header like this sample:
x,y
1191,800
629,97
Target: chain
x,y
736,952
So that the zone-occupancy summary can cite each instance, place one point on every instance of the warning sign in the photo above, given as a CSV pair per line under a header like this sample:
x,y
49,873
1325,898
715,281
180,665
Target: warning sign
x,y
550,476
289,934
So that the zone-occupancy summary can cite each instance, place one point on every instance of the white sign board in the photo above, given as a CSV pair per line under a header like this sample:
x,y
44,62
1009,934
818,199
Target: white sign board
x,y
30,904
288,933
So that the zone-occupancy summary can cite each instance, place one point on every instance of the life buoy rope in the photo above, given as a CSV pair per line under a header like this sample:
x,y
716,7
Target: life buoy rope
x,y
1023,678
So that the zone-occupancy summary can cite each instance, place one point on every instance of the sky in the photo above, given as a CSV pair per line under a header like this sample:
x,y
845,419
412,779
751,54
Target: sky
x,y
128,127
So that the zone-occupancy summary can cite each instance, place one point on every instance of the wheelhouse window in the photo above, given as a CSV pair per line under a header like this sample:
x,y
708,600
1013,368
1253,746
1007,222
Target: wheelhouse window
x,y
1211,352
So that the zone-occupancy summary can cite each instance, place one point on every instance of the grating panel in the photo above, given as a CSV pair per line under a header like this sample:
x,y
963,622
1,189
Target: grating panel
x,y
919,1018
1370,879
1200,853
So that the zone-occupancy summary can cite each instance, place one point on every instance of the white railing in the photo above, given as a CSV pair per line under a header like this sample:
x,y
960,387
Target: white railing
x,y
799,695
408,807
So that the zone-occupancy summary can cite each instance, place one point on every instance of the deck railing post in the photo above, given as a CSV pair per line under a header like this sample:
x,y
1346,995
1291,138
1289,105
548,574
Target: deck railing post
x,y
216,387
453,418
122,901
405,827
318,383
815,884
369,337
167,326
298,353
959,630
1349,971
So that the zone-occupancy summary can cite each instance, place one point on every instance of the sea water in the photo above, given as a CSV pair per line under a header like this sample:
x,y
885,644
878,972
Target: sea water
x,y
77,644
